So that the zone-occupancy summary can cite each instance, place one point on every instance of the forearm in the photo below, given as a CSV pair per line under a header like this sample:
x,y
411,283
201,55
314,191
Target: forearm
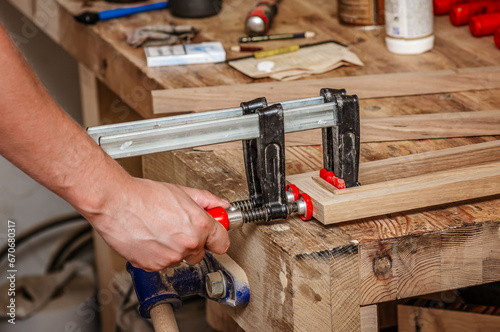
x,y
153,225
43,141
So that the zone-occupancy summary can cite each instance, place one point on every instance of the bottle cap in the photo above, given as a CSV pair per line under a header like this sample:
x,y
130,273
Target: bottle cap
x,y
409,46
486,24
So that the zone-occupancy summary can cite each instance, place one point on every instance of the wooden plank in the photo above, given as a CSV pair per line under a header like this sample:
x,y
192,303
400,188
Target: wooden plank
x,y
414,319
399,195
402,128
428,162
366,86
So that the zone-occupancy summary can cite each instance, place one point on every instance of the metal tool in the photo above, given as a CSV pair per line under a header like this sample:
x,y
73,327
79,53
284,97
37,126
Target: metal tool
x,y
93,17
259,20
216,277
262,129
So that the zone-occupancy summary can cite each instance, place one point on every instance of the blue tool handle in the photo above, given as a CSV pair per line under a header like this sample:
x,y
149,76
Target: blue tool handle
x,y
120,12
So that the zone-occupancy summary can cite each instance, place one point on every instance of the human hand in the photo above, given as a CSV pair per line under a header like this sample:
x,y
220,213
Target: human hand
x,y
155,225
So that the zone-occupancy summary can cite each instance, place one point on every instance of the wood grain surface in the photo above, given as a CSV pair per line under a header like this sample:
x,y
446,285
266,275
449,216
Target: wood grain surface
x,y
366,86
103,50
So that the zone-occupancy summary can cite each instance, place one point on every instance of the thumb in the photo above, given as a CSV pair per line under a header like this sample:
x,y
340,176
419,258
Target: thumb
x,y
218,239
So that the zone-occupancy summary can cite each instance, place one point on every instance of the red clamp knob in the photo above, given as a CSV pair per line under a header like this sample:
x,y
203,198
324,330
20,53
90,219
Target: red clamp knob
x,y
220,215
332,179
309,207
294,190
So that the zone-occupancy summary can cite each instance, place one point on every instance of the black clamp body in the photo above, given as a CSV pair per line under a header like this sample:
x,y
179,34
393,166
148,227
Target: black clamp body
x,y
265,155
341,143
265,163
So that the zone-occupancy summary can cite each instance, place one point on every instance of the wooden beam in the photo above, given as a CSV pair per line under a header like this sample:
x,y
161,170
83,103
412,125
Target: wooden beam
x,y
402,128
367,86
334,206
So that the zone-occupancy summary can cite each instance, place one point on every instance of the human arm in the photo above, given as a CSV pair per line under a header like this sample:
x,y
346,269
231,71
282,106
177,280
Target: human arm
x,y
151,224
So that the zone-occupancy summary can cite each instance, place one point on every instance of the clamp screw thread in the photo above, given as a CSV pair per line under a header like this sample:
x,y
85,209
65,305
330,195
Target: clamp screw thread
x,y
255,215
244,205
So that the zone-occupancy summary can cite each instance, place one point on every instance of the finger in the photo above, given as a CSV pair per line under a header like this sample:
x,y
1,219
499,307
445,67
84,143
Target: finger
x,y
218,239
196,258
205,199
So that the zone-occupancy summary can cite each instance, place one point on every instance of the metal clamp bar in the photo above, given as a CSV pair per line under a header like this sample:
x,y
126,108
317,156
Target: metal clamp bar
x,y
132,126
187,135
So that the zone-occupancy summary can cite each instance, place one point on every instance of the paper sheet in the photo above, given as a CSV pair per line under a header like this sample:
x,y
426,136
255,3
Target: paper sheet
x,y
308,60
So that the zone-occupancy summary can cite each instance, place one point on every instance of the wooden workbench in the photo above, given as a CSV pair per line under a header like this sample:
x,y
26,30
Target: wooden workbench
x,y
306,276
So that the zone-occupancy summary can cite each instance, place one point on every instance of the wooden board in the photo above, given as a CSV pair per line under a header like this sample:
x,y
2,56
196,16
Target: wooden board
x,y
400,128
414,319
368,86
333,206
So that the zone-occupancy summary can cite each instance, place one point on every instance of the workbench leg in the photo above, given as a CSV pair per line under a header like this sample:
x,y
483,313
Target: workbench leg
x,y
89,96
369,318
100,105
345,289
218,319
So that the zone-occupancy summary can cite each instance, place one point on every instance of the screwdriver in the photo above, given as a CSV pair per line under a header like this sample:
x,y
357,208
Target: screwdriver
x,y
93,17
259,20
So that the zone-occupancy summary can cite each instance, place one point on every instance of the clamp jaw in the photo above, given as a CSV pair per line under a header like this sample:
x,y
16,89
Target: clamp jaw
x,y
265,158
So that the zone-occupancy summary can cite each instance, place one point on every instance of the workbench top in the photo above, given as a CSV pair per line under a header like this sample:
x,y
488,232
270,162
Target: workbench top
x,y
102,47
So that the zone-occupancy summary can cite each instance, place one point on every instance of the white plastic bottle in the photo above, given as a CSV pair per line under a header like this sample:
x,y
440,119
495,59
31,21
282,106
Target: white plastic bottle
x,y
409,26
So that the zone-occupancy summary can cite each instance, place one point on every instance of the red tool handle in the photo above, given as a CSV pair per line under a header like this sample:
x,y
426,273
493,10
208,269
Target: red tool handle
x,y
220,215
444,6
462,13
266,10
486,24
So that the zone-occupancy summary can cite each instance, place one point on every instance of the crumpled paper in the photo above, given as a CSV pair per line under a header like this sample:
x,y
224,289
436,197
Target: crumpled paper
x,y
158,35
308,60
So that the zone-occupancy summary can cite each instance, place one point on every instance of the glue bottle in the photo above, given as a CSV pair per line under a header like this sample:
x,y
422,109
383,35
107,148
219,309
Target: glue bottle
x,y
409,26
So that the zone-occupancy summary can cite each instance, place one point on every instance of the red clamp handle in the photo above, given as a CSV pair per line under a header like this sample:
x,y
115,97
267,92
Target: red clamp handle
x,y
220,215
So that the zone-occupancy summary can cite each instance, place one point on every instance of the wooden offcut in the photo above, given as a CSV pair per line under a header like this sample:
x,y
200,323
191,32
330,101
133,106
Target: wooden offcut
x,y
431,181
401,128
